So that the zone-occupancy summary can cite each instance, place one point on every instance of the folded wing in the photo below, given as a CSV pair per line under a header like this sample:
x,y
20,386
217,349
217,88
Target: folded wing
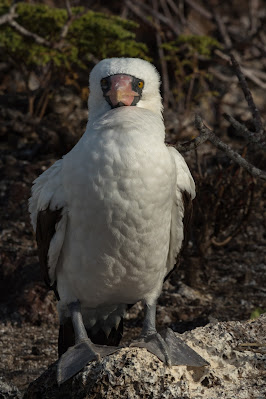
x,y
48,211
182,209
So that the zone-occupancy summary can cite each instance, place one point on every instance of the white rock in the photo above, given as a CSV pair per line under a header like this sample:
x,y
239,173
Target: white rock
x,y
235,352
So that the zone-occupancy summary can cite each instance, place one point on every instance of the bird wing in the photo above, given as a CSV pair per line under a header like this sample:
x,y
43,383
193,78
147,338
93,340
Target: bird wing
x,y
181,210
48,211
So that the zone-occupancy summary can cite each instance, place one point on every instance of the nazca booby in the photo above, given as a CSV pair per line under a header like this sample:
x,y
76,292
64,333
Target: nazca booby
x,y
109,216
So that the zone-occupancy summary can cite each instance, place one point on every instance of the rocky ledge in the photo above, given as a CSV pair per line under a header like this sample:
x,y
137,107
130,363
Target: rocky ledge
x,y
235,352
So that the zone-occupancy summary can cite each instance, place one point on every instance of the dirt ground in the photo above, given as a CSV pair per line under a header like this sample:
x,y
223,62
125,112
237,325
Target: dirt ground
x,y
230,283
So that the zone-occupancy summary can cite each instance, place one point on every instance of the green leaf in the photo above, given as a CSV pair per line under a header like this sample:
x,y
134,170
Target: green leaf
x,y
256,313
91,34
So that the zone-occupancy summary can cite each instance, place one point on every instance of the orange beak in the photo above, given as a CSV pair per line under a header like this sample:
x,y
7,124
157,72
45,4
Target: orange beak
x,y
121,92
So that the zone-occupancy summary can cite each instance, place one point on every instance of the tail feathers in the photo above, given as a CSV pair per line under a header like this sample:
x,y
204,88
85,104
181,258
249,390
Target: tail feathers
x,y
113,339
67,337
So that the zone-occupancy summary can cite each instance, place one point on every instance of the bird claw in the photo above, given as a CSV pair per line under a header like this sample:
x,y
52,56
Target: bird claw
x,y
170,349
78,356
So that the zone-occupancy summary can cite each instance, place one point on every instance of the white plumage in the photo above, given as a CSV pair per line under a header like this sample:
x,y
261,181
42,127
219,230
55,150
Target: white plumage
x,y
120,195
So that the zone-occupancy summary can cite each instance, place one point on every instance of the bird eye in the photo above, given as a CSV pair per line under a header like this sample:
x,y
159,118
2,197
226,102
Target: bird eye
x,y
140,84
104,83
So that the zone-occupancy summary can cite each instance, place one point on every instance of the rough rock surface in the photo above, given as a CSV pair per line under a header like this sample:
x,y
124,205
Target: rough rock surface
x,y
235,352
9,391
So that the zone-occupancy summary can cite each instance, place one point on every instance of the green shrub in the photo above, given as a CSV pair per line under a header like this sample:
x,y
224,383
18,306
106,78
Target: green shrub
x,y
91,35
184,57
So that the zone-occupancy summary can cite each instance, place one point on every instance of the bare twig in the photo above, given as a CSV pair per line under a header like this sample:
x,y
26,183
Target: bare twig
x,y
253,75
222,29
165,79
221,76
64,31
166,10
221,243
154,13
69,10
206,132
9,16
253,7
124,12
174,24
260,45
222,55
25,32
192,144
243,131
138,5
257,72
245,214
177,10
10,19
138,12
200,9
248,96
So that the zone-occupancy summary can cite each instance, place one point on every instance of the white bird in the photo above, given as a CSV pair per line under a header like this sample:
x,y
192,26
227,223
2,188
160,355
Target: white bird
x,y
109,216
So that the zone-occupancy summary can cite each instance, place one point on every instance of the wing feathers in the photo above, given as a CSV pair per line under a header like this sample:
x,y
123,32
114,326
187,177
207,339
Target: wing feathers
x,y
45,231
181,210
188,212
47,191
49,218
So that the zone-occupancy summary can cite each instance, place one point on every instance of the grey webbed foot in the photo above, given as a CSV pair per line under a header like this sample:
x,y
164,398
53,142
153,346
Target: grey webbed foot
x,y
155,344
78,356
83,352
180,352
167,347
170,349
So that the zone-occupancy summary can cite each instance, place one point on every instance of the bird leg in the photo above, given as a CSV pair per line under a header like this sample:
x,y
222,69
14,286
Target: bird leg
x,y
168,347
83,352
150,338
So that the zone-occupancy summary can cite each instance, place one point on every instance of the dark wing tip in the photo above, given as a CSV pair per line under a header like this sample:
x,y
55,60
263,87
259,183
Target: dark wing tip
x,y
45,230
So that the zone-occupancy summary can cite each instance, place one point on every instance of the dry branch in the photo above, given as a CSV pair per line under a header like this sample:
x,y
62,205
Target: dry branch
x,y
179,13
136,10
68,8
233,155
165,80
154,13
9,18
192,144
199,8
248,95
25,32
222,29
66,27
252,137
138,7
256,138
254,75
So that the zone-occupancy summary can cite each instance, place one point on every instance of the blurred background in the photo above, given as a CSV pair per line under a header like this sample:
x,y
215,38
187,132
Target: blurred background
x,y
47,50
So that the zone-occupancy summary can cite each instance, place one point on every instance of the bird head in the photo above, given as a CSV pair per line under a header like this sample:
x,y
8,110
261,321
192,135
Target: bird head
x,y
117,82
